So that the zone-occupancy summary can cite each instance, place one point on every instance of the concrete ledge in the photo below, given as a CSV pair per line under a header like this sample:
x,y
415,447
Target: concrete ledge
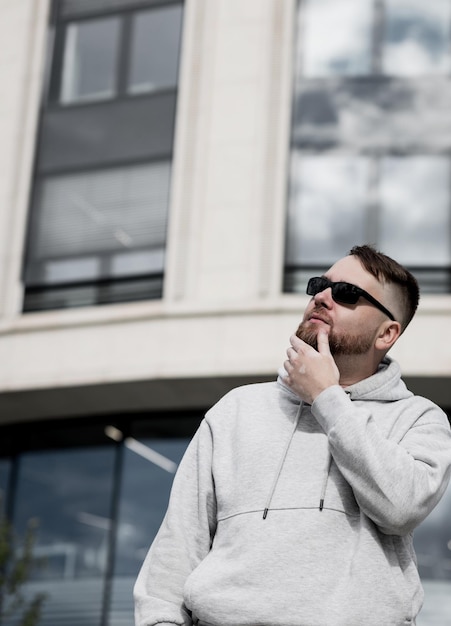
x,y
127,397
155,395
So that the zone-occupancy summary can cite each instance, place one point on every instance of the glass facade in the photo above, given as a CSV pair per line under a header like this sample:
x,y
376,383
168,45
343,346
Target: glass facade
x,y
420,183
136,523
336,38
90,59
5,469
113,227
69,493
433,548
371,137
100,200
95,500
154,53
416,37
328,193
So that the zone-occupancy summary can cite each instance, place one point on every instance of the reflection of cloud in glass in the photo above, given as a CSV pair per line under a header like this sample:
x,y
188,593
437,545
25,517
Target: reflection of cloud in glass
x,y
327,207
416,37
373,115
410,58
144,499
335,37
151,455
414,224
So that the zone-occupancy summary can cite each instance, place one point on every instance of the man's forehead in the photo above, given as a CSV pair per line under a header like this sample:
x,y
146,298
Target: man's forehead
x,y
349,269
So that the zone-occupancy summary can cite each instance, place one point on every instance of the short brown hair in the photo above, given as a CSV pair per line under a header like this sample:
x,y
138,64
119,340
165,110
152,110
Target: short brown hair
x,y
384,268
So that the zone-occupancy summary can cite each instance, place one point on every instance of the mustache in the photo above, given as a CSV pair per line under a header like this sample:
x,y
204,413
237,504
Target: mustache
x,y
321,314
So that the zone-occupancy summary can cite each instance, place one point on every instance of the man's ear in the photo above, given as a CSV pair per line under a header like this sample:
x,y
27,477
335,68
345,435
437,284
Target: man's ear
x,y
389,333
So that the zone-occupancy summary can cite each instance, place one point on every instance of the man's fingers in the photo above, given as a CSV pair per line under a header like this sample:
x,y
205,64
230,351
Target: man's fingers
x,y
296,342
323,342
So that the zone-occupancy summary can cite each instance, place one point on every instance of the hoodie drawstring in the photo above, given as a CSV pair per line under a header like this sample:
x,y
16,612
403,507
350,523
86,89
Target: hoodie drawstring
x,y
326,478
282,461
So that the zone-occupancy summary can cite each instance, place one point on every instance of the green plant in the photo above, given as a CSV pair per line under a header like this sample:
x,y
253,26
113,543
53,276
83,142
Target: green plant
x,y
15,570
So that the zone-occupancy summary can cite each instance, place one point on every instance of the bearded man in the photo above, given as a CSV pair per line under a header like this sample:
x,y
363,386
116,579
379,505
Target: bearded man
x,y
296,501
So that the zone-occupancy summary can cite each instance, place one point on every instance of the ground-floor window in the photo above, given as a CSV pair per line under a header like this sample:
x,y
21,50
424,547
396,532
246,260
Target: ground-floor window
x,y
94,496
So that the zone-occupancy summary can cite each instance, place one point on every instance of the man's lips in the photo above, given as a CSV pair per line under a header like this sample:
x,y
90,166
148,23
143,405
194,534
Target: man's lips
x,y
316,317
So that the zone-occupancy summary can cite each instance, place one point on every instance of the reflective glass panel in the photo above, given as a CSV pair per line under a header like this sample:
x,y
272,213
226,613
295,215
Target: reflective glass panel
x,y
432,541
90,60
5,468
417,37
100,224
69,493
155,49
414,212
326,209
335,37
148,472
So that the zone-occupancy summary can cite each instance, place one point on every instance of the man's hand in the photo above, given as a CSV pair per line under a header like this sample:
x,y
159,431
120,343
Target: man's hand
x,y
309,372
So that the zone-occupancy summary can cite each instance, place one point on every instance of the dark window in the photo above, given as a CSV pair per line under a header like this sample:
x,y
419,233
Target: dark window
x,y
96,492
91,54
148,470
103,228
97,226
154,50
5,472
68,494
371,137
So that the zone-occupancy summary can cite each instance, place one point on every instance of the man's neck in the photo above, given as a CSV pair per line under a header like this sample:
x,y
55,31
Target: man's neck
x,y
354,368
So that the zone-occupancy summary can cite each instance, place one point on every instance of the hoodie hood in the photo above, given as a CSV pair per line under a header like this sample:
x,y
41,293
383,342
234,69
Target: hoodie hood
x,y
385,385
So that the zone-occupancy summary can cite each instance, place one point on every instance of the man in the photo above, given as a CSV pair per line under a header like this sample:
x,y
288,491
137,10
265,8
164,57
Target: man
x,y
296,501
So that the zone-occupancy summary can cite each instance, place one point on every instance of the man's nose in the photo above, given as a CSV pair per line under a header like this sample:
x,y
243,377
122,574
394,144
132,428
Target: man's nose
x,y
324,298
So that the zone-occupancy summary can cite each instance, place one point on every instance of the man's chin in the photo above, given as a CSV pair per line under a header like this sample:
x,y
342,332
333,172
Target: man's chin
x,y
343,345
308,333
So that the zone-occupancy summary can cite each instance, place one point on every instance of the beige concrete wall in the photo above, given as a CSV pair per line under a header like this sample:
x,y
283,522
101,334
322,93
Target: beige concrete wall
x,y
141,341
228,209
23,33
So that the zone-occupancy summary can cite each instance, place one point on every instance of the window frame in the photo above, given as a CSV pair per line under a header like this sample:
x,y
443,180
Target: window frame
x,y
60,150
126,13
319,131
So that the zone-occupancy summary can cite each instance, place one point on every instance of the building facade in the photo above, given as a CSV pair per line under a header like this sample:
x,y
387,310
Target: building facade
x,y
171,174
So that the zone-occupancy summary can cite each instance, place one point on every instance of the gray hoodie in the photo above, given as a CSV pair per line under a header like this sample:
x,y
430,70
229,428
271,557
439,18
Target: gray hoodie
x,y
287,514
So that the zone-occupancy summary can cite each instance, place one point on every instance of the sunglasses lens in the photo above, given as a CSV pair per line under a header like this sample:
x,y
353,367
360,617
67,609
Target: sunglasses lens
x,y
345,293
341,292
315,285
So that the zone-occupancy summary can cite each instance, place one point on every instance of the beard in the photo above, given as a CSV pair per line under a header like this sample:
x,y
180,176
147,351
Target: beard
x,y
340,344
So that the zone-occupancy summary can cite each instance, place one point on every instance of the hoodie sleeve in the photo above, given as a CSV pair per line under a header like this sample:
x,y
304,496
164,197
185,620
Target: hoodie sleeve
x,y
183,541
396,483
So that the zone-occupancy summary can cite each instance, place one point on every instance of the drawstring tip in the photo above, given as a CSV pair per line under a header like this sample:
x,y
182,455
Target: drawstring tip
x,y
265,513
321,504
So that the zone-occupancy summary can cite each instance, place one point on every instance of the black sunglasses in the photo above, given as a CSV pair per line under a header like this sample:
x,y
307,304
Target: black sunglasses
x,y
344,293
